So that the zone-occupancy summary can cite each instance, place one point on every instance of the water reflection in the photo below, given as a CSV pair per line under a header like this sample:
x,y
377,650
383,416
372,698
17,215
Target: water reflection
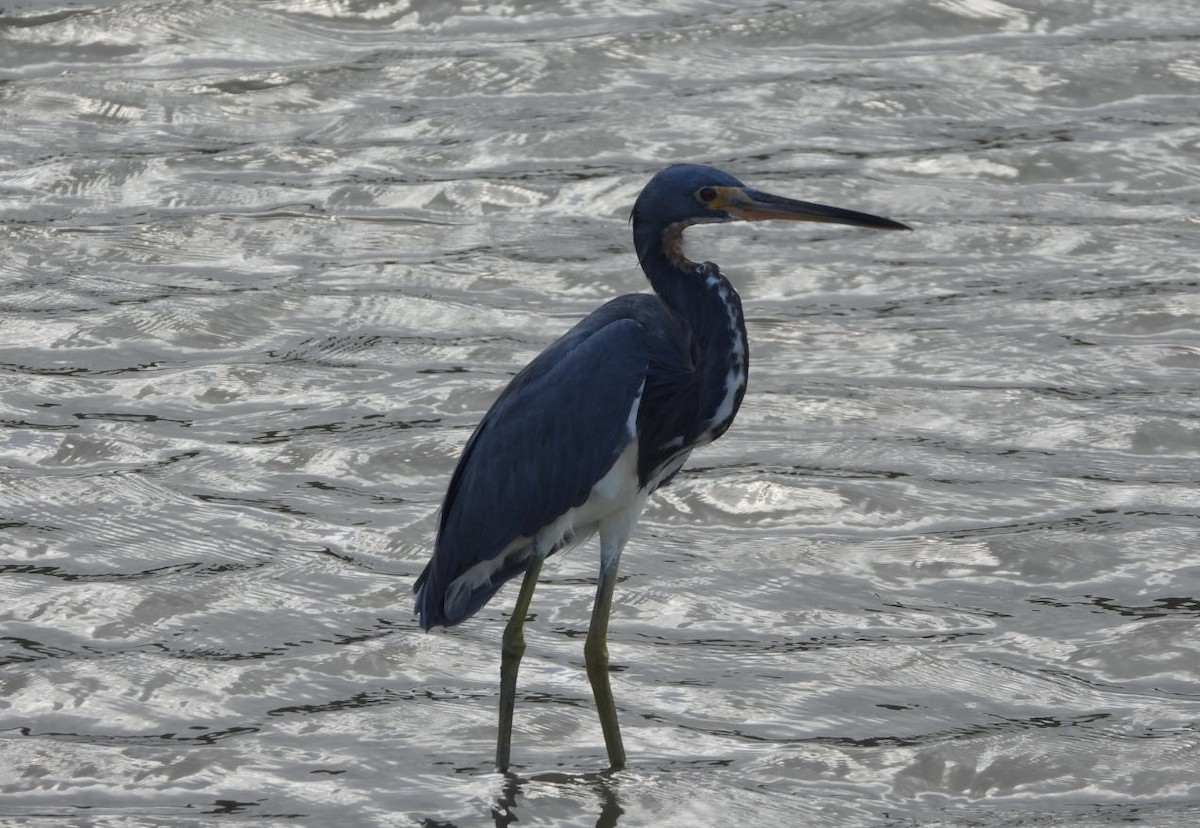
x,y
506,807
604,786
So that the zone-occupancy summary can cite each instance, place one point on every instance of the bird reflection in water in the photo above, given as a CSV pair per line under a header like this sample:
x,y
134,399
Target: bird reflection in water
x,y
505,809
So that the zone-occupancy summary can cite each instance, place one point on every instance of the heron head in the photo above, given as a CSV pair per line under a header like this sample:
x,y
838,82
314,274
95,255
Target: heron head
x,y
685,194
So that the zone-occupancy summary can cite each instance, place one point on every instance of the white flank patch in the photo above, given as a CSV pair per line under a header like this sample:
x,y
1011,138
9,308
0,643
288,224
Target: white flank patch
x,y
614,503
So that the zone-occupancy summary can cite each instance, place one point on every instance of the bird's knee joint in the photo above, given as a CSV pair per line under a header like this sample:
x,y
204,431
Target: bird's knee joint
x,y
512,649
595,652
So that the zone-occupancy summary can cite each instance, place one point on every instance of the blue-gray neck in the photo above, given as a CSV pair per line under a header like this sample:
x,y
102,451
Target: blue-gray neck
x,y
712,310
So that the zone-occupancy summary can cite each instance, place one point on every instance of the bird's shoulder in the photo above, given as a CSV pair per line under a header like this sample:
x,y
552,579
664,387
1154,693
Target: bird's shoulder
x,y
631,328
644,310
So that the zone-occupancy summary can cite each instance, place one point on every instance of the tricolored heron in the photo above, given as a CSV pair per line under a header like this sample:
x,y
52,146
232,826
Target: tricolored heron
x,y
599,420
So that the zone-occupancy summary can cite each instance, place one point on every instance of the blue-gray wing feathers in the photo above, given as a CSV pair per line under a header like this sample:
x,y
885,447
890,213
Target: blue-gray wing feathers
x,y
551,435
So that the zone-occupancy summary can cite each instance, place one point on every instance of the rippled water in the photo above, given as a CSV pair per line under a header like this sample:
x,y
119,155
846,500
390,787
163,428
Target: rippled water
x,y
266,263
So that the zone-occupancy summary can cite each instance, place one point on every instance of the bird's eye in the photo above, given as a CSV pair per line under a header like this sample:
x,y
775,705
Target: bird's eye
x,y
706,194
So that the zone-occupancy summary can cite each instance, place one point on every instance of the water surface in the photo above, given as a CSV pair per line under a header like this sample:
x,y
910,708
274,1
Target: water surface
x,y
266,264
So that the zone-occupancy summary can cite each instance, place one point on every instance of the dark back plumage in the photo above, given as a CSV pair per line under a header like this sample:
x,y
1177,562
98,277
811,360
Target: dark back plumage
x,y
555,430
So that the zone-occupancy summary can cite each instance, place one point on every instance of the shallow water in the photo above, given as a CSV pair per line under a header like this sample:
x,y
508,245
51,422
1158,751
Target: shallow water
x,y
266,264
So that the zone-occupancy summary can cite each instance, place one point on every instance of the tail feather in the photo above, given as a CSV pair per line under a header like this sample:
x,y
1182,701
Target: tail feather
x,y
440,604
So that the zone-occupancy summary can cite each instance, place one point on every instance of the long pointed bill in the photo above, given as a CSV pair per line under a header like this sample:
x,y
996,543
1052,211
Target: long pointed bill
x,y
753,205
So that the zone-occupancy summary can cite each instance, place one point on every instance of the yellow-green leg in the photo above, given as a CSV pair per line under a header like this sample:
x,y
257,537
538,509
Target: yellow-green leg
x,y
510,662
595,656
